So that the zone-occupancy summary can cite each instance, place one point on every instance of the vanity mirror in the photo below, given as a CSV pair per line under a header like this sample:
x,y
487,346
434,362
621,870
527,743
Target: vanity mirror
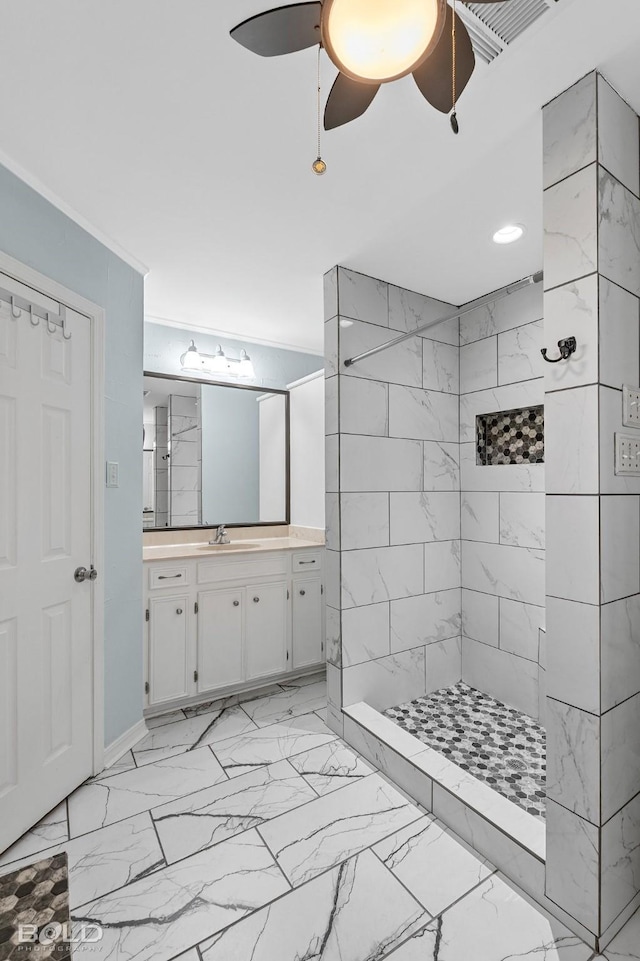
x,y
214,454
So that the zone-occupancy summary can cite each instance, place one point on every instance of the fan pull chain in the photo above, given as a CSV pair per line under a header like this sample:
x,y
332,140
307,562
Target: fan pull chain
x,y
454,118
319,166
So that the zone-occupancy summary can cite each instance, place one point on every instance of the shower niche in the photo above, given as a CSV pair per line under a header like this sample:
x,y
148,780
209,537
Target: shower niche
x,y
510,437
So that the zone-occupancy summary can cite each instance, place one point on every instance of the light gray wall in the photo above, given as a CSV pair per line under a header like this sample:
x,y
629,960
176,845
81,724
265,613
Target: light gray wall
x,y
35,232
274,367
230,455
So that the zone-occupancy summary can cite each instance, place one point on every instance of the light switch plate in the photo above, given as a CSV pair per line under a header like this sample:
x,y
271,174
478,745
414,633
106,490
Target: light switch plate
x,y
112,473
630,406
627,454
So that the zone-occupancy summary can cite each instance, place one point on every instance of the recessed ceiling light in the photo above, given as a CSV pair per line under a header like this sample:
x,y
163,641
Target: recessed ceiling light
x,y
508,234
346,323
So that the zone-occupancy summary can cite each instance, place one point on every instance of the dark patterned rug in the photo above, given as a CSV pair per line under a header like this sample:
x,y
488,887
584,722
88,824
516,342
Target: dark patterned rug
x,y
497,744
34,911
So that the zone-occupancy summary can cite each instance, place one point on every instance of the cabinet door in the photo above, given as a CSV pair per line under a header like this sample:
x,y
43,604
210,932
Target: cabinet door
x,y
308,642
170,667
266,630
220,616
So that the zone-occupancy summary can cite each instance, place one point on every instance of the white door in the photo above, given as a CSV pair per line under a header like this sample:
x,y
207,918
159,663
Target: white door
x,y
220,615
46,626
266,630
308,645
170,657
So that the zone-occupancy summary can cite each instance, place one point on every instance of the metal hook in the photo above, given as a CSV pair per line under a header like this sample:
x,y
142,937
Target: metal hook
x,y
566,347
36,322
14,309
51,326
63,317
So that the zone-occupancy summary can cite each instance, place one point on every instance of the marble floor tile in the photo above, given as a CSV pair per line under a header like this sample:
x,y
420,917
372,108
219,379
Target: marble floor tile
x,y
160,720
290,702
626,945
493,923
103,860
237,755
330,767
432,863
124,763
305,679
216,705
95,805
315,837
355,912
157,918
188,734
200,820
51,829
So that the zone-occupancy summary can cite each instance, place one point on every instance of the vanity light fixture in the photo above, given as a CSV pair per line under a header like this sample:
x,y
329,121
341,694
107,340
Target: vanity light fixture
x,y
192,361
509,234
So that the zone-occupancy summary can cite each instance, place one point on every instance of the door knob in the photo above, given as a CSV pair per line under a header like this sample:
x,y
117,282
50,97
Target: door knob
x,y
303,593
236,603
256,600
178,610
82,574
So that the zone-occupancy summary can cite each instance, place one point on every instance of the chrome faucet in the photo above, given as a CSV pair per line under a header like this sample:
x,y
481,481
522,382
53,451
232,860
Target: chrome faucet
x,y
221,536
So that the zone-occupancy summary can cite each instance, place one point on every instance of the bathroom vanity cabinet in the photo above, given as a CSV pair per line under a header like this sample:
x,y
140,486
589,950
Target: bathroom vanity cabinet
x,y
221,622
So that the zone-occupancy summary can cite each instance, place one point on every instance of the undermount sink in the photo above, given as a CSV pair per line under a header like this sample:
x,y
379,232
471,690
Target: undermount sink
x,y
238,546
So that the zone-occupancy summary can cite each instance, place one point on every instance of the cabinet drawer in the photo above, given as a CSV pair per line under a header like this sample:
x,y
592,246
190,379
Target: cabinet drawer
x,y
241,570
173,577
307,561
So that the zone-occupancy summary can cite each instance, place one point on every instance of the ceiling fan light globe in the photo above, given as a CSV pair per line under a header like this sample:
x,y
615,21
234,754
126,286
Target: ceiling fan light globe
x,y
377,41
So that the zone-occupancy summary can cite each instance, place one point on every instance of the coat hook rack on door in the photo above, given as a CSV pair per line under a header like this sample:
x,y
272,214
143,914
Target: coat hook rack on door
x,y
53,321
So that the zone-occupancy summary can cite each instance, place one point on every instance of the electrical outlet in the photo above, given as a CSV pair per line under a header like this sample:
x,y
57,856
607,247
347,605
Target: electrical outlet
x,y
630,406
627,454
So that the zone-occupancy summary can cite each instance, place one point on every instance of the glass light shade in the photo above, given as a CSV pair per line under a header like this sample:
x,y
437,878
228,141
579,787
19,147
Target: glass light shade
x,y
191,359
381,40
245,366
218,363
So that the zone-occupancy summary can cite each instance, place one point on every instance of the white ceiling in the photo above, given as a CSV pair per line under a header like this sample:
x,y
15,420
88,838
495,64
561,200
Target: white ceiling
x,y
194,155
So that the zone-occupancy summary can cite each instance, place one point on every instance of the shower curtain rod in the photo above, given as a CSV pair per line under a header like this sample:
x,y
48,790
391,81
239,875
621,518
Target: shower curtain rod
x,y
473,305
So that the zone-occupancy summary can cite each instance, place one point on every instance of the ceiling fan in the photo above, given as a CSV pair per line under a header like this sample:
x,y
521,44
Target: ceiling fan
x,y
372,42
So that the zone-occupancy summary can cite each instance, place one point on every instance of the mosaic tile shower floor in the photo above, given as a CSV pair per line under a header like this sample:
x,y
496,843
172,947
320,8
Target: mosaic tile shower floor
x,y
497,744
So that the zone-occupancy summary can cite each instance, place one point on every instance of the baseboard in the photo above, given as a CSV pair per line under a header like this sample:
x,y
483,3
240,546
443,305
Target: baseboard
x,y
124,743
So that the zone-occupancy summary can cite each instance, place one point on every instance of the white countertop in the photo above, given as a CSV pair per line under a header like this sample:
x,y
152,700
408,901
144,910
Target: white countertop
x,y
170,552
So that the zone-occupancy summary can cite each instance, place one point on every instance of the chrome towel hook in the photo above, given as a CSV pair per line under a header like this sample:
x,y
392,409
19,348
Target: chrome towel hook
x,y
15,311
566,347
36,322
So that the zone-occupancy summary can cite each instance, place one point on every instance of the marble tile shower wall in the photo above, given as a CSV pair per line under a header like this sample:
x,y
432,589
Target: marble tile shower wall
x,y
185,472
393,501
161,466
592,291
502,507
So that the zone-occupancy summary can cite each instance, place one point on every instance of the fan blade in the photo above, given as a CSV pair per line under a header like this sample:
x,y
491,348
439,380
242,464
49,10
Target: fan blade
x,y
282,30
347,100
434,75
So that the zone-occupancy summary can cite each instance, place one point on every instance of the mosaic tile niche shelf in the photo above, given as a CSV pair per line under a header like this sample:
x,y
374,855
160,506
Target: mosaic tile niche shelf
x,y
510,437
497,744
